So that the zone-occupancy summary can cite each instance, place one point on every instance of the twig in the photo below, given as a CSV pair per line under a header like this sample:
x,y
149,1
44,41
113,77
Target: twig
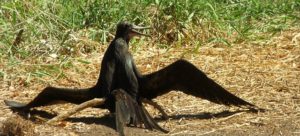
x,y
82,106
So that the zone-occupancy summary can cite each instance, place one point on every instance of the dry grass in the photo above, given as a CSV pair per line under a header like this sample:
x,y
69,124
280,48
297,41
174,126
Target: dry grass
x,y
264,73
16,126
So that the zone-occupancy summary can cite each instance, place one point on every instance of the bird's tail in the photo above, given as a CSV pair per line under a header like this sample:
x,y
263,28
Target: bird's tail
x,y
51,95
131,112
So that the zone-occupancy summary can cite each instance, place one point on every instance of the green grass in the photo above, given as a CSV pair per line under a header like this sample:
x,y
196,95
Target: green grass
x,y
51,20
49,25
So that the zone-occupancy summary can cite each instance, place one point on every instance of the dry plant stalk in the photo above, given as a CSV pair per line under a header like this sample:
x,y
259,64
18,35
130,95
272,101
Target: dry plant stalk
x,y
82,106
18,38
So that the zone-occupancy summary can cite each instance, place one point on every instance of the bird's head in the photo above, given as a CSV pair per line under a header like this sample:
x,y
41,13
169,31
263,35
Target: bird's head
x,y
127,31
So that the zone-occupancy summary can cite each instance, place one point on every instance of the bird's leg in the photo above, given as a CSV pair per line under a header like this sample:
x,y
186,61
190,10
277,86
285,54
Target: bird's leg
x,y
155,105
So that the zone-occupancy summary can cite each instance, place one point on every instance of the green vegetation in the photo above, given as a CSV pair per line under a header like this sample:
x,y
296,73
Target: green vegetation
x,y
53,20
52,28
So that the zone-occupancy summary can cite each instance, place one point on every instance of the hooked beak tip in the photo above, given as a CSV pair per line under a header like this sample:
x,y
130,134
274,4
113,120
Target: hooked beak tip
x,y
135,31
140,27
139,33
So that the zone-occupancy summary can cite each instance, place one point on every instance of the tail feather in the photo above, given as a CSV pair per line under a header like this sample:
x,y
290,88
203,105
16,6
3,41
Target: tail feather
x,y
152,122
129,111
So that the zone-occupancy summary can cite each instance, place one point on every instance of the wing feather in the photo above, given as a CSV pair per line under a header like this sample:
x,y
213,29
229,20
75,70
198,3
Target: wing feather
x,y
184,76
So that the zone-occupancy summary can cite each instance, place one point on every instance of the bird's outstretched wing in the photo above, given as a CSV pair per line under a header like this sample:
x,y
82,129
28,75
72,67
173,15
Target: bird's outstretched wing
x,y
130,112
184,76
52,94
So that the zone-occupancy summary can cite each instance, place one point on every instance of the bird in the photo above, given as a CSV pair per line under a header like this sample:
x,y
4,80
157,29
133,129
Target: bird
x,y
125,88
117,83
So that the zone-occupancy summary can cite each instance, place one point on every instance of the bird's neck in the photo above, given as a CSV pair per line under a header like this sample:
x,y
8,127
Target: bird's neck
x,y
124,38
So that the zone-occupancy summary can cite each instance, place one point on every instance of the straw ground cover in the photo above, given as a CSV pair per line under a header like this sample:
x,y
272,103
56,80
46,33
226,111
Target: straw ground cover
x,y
249,47
266,74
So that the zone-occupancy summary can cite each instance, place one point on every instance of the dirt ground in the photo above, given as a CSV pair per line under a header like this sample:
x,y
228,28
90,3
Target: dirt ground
x,y
266,74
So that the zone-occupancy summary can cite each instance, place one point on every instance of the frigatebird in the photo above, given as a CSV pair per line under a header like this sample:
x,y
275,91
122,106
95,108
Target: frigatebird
x,y
125,88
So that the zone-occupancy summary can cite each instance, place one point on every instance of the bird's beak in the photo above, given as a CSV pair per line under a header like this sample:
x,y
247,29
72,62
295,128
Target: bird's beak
x,y
135,32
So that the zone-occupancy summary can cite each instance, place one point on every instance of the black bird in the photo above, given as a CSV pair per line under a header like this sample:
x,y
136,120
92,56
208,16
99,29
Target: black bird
x,y
125,88
117,83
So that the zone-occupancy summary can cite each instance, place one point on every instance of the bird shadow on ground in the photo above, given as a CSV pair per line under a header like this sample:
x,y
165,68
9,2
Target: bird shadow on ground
x,y
109,121
204,115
